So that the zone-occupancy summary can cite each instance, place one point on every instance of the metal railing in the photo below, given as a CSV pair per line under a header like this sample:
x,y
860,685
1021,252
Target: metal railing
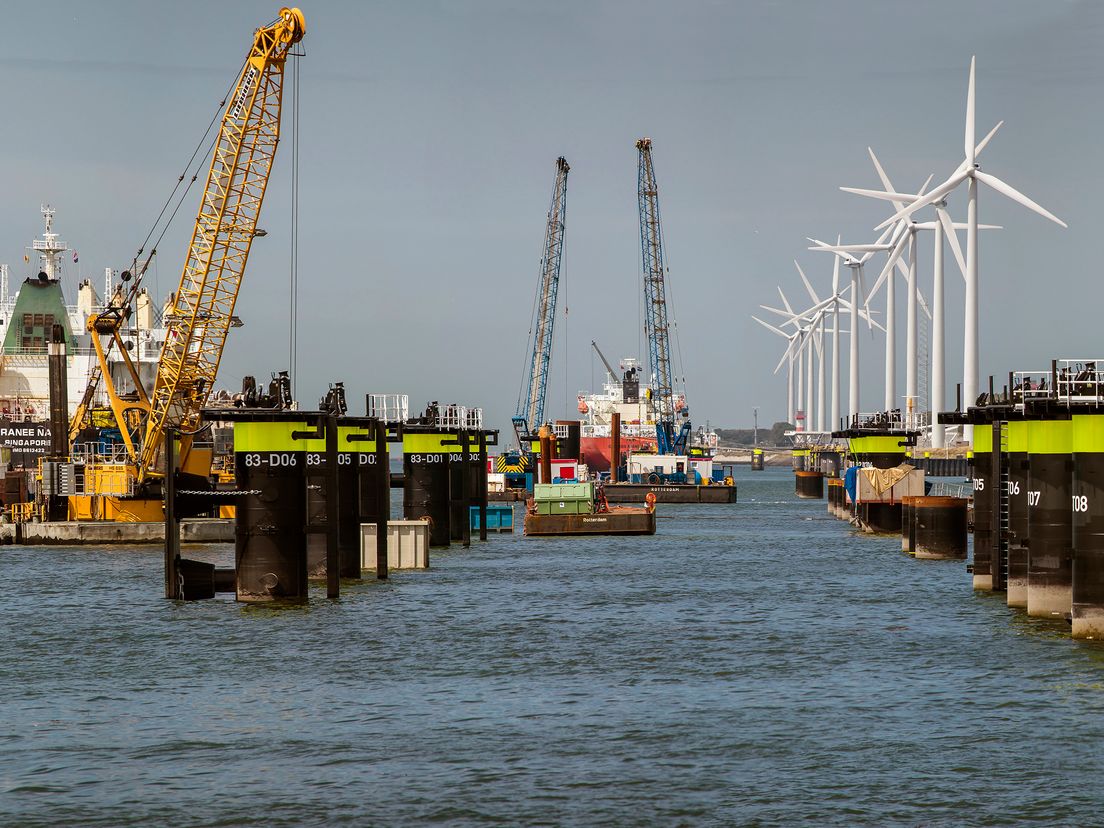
x,y
1069,382
459,416
395,408
894,419
107,454
633,430
942,488
810,439
389,408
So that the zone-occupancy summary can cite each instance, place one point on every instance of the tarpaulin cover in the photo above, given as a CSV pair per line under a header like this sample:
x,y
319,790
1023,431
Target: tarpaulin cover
x,y
850,481
882,480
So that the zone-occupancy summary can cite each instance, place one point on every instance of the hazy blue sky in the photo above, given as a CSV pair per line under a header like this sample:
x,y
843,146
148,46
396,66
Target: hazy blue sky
x,y
429,135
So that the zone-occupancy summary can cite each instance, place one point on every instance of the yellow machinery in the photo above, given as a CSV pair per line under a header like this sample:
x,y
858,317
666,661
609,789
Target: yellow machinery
x,y
203,305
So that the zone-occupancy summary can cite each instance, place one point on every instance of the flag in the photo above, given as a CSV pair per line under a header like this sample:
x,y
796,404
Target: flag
x,y
26,258
75,259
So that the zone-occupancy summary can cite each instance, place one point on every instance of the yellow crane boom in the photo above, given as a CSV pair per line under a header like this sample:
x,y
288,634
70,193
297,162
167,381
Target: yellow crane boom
x,y
224,229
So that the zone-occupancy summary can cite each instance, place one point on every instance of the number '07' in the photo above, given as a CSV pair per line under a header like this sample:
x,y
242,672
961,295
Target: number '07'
x,y
1080,503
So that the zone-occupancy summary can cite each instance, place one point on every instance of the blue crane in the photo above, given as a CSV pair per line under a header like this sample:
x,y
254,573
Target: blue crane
x,y
668,441
530,408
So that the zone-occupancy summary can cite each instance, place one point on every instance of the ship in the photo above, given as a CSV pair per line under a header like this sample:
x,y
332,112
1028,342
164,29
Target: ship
x,y
624,396
27,316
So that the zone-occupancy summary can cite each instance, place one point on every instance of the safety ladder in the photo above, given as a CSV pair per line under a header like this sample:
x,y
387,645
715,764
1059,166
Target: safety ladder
x,y
999,564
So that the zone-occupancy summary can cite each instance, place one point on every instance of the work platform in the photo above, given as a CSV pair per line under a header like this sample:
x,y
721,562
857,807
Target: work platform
x,y
617,521
103,532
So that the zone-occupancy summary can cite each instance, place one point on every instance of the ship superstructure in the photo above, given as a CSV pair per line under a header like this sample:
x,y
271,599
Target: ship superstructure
x,y
28,313
632,399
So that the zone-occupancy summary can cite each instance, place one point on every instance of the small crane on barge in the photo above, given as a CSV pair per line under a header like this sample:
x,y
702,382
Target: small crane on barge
x,y
530,409
668,440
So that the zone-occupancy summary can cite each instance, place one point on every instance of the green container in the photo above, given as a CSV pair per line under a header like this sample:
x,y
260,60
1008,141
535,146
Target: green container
x,y
563,491
564,507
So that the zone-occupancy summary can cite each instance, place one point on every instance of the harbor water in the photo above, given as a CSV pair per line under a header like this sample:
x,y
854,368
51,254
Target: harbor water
x,y
758,663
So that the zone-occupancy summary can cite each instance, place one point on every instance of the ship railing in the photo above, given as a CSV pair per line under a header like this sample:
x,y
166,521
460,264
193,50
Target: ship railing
x,y
43,351
560,431
389,408
628,430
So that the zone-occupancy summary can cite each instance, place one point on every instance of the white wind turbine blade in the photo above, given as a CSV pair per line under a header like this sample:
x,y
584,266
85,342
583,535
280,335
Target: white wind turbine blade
x,y
866,303
785,303
891,262
771,328
808,287
835,271
855,248
981,145
903,268
952,237
786,354
784,314
1014,194
816,339
899,199
880,240
958,225
932,197
867,315
970,145
985,141
898,203
809,314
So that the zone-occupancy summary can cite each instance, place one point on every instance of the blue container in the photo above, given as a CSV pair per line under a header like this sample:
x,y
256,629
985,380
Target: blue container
x,y
499,518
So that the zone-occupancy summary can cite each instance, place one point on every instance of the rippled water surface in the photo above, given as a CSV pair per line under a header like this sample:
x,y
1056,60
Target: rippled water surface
x,y
751,664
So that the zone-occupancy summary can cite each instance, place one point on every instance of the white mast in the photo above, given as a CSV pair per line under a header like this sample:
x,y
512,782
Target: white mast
x,y
50,247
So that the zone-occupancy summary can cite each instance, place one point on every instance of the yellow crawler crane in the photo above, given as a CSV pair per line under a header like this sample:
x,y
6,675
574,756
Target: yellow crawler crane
x,y
203,306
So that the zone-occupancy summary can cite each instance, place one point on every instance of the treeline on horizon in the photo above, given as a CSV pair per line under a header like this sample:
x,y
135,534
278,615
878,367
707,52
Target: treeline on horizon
x,y
773,436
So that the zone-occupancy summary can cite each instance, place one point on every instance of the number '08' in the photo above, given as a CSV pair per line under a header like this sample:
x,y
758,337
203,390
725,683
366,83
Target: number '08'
x,y
1080,503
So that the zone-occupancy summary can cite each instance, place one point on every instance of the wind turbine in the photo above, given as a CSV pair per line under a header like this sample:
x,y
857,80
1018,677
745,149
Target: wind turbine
x,y
970,172
788,358
796,349
834,308
799,340
944,224
855,264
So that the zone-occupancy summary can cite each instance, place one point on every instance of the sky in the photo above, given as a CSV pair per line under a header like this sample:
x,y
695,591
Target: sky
x,y
428,137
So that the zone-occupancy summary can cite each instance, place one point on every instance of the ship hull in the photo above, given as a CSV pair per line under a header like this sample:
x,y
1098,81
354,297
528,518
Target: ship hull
x,y
595,451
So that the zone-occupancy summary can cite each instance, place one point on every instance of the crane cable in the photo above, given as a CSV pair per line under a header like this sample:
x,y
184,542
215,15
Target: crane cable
x,y
210,146
137,273
293,328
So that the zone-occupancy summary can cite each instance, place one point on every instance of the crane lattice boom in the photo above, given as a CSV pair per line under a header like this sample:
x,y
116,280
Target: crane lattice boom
x,y
227,221
655,298
532,407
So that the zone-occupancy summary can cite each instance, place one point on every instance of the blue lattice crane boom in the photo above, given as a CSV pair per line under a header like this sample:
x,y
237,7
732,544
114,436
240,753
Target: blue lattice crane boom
x,y
530,411
656,328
